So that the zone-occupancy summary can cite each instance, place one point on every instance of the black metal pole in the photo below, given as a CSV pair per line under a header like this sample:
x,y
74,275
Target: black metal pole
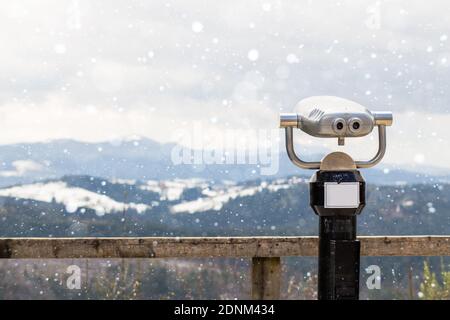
x,y
339,254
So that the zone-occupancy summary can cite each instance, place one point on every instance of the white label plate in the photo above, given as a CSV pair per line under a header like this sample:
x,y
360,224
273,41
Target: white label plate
x,y
341,195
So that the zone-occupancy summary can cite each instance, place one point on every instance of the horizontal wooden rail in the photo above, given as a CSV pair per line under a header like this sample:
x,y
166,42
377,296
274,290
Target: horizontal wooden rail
x,y
264,251
201,247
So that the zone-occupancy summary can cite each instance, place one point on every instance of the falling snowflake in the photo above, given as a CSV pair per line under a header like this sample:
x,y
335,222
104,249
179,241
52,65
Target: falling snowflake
x,y
60,48
253,55
292,58
197,26
419,158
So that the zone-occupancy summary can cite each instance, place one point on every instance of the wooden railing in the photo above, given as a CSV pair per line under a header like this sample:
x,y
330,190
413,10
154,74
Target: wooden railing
x,y
264,251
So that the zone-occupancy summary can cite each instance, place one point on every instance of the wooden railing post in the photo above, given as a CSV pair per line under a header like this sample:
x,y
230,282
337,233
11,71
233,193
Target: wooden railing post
x,y
266,278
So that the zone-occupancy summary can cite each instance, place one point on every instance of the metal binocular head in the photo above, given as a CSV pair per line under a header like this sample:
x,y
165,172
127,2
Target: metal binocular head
x,y
333,117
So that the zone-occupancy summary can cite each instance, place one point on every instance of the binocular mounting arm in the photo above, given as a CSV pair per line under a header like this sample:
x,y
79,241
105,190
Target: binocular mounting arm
x,y
316,164
381,150
293,156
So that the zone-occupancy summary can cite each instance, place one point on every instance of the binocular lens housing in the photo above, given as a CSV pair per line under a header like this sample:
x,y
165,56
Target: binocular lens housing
x,y
333,117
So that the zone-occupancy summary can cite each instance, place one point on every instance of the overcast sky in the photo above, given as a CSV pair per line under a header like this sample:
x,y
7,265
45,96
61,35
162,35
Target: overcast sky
x,y
103,70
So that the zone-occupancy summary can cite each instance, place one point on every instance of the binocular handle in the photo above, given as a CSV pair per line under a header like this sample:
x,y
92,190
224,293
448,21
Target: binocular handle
x,y
293,156
316,164
381,150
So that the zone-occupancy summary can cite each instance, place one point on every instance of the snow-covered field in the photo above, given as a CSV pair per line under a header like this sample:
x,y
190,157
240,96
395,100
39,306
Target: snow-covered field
x,y
72,198
215,199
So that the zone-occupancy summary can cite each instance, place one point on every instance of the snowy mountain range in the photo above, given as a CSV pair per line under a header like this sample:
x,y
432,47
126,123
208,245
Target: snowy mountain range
x,y
145,159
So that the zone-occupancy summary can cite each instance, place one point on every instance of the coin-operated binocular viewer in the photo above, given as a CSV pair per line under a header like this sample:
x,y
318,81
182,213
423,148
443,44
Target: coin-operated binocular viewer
x,y
337,189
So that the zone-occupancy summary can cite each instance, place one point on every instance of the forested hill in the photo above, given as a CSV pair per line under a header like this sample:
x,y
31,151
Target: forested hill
x,y
90,206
